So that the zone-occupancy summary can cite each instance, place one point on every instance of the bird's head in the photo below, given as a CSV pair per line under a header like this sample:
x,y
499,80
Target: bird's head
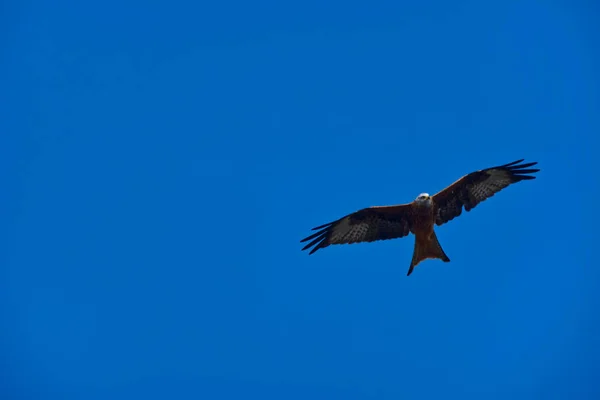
x,y
423,199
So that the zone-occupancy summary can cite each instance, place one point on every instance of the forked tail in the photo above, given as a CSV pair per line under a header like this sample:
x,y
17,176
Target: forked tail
x,y
426,248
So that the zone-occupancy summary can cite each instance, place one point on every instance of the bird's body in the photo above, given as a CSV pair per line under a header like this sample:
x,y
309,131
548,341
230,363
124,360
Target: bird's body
x,y
420,216
426,242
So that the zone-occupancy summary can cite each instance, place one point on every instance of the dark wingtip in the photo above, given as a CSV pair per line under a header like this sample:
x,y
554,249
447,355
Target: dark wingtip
x,y
318,238
513,163
519,171
523,171
327,225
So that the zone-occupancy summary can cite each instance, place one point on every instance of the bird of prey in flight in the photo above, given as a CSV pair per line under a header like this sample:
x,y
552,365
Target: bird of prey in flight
x,y
420,216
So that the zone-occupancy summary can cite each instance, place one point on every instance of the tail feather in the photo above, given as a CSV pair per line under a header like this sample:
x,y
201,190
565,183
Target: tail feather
x,y
427,249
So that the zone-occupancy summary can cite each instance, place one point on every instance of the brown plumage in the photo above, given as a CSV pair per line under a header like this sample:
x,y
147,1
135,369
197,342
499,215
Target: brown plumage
x,y
420,216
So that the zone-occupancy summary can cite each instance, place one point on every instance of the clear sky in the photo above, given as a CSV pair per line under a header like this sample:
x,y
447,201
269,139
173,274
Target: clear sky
x,y
162,160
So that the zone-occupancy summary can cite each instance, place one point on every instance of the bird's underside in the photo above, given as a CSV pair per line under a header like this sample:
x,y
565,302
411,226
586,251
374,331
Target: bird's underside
x,y
421,215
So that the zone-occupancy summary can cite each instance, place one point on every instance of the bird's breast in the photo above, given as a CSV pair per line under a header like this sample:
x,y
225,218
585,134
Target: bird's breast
x,y
422,220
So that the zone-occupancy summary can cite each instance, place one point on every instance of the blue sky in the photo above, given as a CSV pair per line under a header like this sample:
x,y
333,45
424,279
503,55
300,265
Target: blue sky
x,y
162,160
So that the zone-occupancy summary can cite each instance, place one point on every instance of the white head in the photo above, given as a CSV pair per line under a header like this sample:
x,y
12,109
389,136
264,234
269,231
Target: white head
x,y
423,199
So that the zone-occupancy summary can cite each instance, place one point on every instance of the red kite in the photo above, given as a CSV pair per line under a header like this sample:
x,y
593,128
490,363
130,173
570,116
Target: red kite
x,y
420,216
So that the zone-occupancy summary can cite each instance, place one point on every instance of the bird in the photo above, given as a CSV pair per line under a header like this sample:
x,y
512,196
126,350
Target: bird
x,y
421,215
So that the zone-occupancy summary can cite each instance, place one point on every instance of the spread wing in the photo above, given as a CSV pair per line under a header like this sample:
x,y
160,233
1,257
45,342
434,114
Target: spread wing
x,y
472,189
366,225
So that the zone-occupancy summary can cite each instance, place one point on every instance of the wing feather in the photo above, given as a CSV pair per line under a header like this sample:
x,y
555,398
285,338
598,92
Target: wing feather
x,y
366,225
473,188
